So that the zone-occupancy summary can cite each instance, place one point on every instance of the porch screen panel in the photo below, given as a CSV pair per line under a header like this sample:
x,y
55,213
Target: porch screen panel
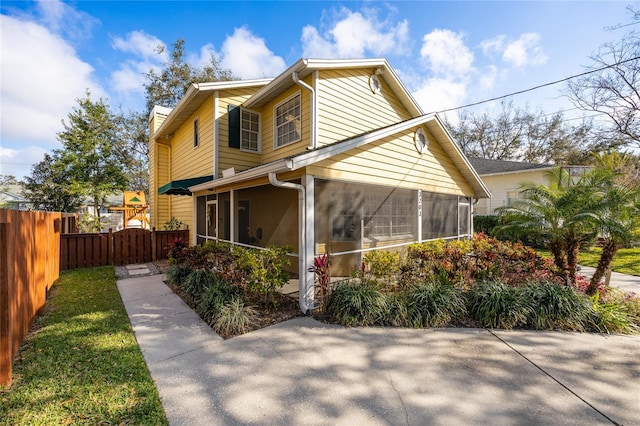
x,y
439,215
201,218
464,210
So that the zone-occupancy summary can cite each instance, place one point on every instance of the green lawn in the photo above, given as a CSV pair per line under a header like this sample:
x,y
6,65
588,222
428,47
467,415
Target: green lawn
x,y
82,365
627,261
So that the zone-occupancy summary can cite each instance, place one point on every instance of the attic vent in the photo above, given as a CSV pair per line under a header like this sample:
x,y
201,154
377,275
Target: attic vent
x,y
420,140
374,84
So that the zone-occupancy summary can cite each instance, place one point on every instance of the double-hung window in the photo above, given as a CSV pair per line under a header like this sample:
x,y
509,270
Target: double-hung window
x,y
288,121
250,131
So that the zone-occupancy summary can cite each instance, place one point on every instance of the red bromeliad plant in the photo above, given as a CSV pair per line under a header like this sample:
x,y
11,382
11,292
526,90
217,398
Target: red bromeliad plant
x,y
322,269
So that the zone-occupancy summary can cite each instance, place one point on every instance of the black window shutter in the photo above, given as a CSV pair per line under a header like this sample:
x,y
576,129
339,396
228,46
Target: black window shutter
x,y
234,126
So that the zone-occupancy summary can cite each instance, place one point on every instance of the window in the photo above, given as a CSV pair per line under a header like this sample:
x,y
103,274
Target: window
x,y
196,133
287,121
389,215
250,131
512,196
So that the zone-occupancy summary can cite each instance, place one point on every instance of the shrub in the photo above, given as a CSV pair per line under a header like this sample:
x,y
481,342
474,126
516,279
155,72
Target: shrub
x,y
486,223
383,264
557,307
434,303
177,274
214,297
234,318
354,303
173,224
494,304
263,270
616,311
196,282
396,313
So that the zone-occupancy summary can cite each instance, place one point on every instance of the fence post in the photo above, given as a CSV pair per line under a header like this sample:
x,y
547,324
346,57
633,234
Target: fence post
x,y
154,245
6,340
110,248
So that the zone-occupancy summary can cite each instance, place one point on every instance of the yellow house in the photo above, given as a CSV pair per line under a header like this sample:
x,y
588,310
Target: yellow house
x,y
330,156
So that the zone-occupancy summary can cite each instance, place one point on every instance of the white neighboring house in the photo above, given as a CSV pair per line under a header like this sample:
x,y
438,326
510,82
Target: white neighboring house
x,y
504,178
11,198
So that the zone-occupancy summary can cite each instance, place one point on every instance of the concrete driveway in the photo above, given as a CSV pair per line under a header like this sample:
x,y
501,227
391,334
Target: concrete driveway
x,y
302,372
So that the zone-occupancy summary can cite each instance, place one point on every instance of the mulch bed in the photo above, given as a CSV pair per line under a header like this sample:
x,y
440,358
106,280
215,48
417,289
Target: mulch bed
x,y
286,307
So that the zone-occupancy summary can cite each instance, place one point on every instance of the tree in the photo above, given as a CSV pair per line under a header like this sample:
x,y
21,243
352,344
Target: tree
x,y
557,213
615,90
518,134
133,131
616,209
92,153
169,84
47,187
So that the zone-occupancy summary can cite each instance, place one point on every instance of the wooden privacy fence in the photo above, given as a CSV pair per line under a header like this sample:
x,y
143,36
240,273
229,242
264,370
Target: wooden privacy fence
x,y
29,266
125,247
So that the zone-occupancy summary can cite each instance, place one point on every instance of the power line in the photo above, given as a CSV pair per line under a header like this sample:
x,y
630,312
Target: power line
x,y
539,86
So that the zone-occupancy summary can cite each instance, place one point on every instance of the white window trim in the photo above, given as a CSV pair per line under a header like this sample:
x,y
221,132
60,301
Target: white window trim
x,y
259,150
275,117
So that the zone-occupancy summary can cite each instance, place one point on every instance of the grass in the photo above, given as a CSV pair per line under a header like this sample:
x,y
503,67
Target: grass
x,y
82,365
627,260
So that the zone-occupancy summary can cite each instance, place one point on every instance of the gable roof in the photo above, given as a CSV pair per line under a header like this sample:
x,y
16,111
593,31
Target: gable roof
x,y
307,66
491,167
308,158
195,96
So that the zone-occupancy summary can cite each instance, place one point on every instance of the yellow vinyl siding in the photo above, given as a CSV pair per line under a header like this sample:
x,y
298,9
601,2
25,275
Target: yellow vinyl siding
x,y
182,209
347,106
270,154
188,161
163,202
394,161
234,157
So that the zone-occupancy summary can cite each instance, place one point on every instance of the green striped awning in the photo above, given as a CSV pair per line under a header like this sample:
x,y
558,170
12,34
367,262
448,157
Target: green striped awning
x,y
181,187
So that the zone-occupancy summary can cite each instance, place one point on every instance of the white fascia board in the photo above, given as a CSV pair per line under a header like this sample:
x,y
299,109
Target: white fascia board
x,y
256,172
197,88
464,158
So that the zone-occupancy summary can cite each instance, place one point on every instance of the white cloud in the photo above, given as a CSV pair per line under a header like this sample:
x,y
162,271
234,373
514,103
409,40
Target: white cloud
x,y
355,35
525,50
437,94
446,53
42,77
141,44
247,56
18,162
147,51
61,18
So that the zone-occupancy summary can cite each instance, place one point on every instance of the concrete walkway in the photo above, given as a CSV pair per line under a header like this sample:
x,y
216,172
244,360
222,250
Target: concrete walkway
x,y
302,372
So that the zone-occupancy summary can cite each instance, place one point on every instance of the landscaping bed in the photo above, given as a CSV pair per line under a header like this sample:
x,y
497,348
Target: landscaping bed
x,y
481,282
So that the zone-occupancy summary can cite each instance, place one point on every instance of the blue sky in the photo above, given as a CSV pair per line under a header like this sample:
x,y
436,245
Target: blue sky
x,y
447,53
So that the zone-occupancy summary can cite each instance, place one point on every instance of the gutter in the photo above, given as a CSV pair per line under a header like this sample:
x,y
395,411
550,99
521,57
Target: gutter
x,y
313,143
305,304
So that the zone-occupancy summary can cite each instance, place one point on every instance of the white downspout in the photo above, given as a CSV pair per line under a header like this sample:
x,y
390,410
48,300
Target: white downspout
x,y
313,143
305,304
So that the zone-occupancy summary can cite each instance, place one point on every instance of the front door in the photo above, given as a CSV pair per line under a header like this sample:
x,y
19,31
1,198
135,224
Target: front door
x,y
212,219
244,230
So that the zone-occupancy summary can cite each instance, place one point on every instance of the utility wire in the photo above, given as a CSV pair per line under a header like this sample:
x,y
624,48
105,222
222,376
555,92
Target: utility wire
x,y
539,86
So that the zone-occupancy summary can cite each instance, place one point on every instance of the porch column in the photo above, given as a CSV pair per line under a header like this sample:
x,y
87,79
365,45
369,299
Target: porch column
x,y
232,215
307,281
419,215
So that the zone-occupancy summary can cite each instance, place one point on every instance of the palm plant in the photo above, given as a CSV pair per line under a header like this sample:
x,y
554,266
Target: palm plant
x,y
616,212
557,214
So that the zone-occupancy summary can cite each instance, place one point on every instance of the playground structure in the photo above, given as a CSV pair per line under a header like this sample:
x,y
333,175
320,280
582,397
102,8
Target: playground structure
x,y
134,207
